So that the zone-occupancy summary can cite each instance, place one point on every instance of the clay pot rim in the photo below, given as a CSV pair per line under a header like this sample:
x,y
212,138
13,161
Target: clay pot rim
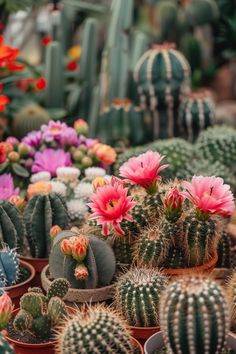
x,y
138,345
157,328
31,277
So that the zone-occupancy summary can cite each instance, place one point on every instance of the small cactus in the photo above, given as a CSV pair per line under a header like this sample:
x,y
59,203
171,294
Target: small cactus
x,y
5,347
59,287
9,267
6,308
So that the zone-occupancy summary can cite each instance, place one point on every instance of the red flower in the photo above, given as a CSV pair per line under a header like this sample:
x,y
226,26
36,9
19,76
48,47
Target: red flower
x,y
72,65
14,66
46,40
7,53
4,100
40,84
3,154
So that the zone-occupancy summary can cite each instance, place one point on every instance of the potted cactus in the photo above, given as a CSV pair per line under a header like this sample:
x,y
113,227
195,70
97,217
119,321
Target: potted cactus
x,y
33,324
194,318
87,262
96,330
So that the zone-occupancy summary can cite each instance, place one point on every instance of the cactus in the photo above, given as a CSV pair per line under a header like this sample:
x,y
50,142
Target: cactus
x,y
95,330
224,251
167,16
39,314
54,74
11,226
232,295
29,118
86,262
5,347
162,75
41,213
194,316
191,48
137,295
196,113
9,267
201,12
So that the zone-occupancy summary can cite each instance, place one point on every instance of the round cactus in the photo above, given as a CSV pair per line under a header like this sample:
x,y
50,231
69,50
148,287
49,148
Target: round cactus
x,y
59,287
95,330
194,316
137,296
196,113
41,213
201,12
29,118
9,267
5,347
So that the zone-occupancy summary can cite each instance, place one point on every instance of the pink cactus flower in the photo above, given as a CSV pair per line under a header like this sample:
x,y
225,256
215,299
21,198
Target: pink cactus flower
x,y
6,308
59,132
111,204
143,170
210,195
174,199
33,139
49,160
7,189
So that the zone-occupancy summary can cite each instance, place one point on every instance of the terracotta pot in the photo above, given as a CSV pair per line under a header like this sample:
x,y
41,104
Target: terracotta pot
x,y
205,268
138,345
143,333
38,264
16,291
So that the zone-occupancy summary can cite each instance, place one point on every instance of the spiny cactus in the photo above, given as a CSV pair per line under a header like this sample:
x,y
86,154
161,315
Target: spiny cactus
x,y
87,262
232,295
137,295
41,213
9,267
196,113
29,118
39,314
5,347
95,330
194,316
11,226
224,251
201,12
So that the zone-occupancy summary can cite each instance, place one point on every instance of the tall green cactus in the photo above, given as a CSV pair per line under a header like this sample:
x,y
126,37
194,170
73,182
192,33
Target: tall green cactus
x,y
41,213
11,226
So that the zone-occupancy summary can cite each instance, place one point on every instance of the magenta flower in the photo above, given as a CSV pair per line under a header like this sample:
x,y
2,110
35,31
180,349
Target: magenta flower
x,y
210,195
33,139
69,137
53,130
7,189
49,160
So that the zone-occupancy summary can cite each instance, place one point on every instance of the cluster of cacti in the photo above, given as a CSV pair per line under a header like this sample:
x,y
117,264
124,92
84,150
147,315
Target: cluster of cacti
x,y
95,330
196,113
9,266
40,214
85,261
11,226
5,347
194,316
137,296
40,314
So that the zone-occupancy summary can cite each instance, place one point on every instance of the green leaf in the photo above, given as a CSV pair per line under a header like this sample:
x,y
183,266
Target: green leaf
x,y
19,170
3,167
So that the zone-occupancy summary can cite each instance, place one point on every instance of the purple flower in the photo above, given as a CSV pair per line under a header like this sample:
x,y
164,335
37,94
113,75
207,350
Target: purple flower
x,y
12,140
49,160
33,138
69,137
59,132
7,188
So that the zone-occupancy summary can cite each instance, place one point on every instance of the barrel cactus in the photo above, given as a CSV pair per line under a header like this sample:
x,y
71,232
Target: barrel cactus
x,y
9,267
137,296
86,262
11,226
194,316
40,214
196,113
95,330
29,118
5,347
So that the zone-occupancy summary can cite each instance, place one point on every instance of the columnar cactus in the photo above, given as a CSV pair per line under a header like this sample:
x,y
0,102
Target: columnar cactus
x,y
9,267
39,314
196,113
232,296
86,262
41,213
11,226
194,316
224,251
95,330
5,347
137,296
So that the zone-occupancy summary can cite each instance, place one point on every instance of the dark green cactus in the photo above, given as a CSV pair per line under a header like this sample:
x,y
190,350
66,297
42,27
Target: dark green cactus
x,y
232,296
11,226
137,296
194,316
5,347
196,113
41,213
92,263
201,12
59,288
224,251
9,267
123,249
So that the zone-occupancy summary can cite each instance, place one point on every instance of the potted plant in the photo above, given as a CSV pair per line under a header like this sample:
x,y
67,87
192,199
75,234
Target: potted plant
x,y
33,324
96,330
87,262
137,294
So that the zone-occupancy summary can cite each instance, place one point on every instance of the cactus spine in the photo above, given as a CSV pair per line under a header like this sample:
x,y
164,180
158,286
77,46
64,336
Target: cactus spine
x,y
11,226
137,296
9,267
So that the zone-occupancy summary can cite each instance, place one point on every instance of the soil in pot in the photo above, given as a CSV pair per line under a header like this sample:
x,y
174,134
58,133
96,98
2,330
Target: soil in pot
x,y
38,264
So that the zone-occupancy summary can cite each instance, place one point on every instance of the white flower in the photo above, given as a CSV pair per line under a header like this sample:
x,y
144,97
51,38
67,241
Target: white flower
x,y
68,174
40,177
77,209
93,172
59,188
83,190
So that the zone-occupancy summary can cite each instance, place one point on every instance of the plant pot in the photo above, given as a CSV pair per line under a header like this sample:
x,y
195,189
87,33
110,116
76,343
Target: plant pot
x,y
138,345
38,264
143,333
203,269
155,342
80,295
16,291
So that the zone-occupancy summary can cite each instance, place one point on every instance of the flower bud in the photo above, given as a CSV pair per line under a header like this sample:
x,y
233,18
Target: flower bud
x,y
173,203
13,156
81,272
66,247
55,230
79,248
81,127
6,308
37,188
18,202
87,161
77,155
23,149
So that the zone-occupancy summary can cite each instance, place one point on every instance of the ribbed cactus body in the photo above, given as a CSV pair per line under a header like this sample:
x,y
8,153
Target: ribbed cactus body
x,y
9,267
196,113
95,330
11,226
201,12
5,347
123,249
232,295
224,251
99,261
41,213
194,317
137,296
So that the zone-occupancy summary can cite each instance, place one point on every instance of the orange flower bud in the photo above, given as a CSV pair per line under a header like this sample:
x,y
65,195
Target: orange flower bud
x,y
13,156
81,272
81,127
55,230
66,247
18,202
105,153
79,248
